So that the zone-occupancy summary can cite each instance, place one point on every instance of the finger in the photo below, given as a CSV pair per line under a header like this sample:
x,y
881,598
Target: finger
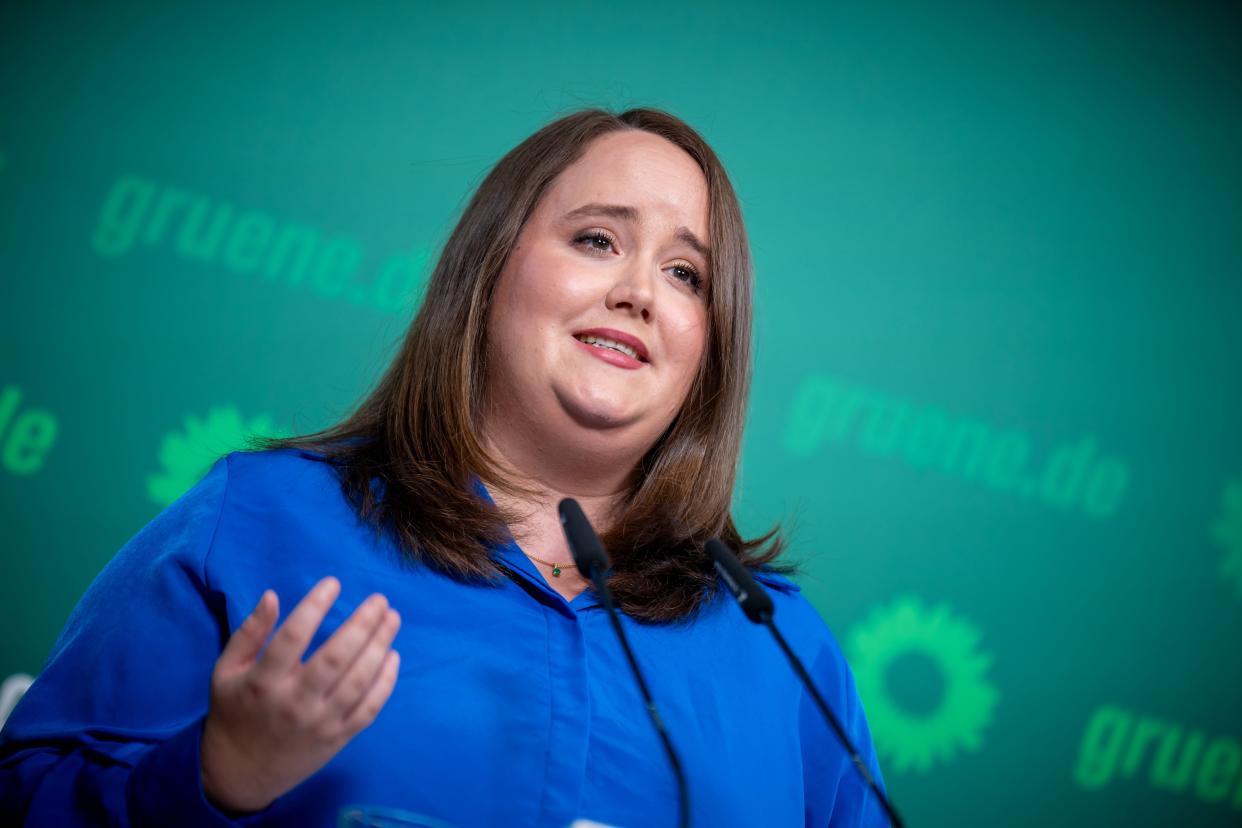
x,y
373,702
353,686
247,640
291,639
339,652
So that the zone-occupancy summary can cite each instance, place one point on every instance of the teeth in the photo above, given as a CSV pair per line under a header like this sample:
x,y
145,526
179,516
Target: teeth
x,y
608,343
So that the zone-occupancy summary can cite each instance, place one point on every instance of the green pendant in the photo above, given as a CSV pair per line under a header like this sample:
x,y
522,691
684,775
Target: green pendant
x,y
556,572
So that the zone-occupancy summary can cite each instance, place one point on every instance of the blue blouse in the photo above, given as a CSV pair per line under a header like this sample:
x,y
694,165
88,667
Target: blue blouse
x,y
513,706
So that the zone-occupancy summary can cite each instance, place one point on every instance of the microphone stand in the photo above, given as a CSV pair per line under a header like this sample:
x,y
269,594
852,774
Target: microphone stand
x,y
590,557
758,606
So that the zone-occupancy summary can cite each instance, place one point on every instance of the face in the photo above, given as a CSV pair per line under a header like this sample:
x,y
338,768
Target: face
x,y
599,318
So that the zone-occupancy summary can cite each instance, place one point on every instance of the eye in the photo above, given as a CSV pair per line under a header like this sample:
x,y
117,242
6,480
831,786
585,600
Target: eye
x,y
691,276
592,238
596,236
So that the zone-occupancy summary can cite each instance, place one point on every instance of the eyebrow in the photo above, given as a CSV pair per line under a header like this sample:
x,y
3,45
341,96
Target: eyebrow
x,y
631,214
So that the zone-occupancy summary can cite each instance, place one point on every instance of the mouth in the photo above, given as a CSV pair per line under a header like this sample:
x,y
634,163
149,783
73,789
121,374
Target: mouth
x,y
616,341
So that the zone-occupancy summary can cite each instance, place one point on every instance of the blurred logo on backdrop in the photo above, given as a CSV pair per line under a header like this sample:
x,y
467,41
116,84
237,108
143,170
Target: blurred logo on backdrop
x,y
1227,531
186,455
141,213
1120,745
27,434
923,683
1074,476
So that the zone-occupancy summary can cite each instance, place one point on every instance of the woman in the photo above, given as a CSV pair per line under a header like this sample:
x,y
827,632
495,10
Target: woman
x,y
586,333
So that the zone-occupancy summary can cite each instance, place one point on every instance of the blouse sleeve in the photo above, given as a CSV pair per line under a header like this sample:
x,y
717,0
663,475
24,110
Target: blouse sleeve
x,y
837,795
108,733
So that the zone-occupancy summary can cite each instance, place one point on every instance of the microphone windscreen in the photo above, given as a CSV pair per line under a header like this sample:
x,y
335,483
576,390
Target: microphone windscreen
x,y
584,544
754,599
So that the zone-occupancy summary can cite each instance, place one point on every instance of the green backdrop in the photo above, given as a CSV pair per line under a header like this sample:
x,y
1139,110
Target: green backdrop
x,y
999,324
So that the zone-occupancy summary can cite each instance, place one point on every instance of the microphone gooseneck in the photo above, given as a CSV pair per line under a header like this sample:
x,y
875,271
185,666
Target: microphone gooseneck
x,y
758,606
592,561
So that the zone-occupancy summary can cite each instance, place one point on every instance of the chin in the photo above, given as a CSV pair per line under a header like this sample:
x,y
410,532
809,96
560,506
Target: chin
x,y
597,412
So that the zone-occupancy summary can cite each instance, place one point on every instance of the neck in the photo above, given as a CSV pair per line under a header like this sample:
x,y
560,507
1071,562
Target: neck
x,y
562,457
549,483
553,470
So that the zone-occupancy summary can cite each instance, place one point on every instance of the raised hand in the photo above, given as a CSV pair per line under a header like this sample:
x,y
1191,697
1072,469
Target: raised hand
x,y
275,720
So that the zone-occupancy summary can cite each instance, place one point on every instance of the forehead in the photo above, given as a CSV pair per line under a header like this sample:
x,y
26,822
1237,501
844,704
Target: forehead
x,y
638,169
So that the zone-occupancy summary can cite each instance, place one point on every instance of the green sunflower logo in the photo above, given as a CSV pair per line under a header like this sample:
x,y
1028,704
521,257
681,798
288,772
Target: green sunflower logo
x,y
1227,531
917,736
187,455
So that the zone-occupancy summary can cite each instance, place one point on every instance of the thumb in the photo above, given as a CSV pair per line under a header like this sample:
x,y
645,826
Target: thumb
x,y
247,640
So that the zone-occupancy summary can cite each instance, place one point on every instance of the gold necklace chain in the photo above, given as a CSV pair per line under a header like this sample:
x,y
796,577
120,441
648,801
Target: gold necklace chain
x,y
556,568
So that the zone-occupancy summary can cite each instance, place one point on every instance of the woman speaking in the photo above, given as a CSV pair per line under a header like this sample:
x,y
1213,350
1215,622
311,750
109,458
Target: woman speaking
x,y
585,334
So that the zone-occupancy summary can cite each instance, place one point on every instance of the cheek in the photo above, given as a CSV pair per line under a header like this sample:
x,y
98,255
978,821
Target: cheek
x,y
547,296
538,296
550,281
689,341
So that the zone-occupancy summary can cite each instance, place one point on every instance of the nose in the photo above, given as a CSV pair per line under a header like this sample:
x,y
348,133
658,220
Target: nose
x,y
633,291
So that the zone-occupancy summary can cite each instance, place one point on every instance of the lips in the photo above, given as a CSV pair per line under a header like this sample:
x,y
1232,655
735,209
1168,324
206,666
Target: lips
x,y
620,337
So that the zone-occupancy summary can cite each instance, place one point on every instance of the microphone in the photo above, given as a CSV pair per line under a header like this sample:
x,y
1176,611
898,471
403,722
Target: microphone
x,y
584,544
591,559
758,606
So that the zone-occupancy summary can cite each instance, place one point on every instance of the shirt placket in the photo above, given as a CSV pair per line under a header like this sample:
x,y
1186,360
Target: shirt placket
x,y
569,711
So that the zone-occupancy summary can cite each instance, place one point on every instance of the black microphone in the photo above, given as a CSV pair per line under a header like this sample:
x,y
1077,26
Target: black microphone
x,y
591,559
758,606
584,544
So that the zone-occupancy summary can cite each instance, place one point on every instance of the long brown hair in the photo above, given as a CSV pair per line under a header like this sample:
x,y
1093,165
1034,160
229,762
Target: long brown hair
x,y
418,432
